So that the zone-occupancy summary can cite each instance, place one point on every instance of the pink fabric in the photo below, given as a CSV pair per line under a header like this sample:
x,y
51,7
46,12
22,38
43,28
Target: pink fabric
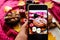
x,y
45,0
55,11
3,36
5,32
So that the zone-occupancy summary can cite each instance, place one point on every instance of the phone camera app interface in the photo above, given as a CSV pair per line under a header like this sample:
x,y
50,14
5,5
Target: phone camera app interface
x,y
37,21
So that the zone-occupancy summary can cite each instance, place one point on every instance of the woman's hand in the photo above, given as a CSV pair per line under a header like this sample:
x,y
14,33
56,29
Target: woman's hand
x,y
22,34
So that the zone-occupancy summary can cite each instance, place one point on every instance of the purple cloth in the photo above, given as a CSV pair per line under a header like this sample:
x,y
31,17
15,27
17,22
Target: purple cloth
x,y
55,11
6,33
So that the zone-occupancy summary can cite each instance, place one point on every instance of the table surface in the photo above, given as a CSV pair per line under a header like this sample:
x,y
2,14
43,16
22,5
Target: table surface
x,y
56,33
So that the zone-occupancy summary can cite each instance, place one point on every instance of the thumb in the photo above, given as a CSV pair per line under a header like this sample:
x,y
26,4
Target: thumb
x,y
23,28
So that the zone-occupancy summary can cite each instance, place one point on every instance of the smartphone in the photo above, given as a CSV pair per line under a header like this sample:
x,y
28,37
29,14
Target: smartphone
x,y
27,3
37,22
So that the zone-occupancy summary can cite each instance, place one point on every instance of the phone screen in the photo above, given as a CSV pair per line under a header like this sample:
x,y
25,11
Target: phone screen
x,y
37,19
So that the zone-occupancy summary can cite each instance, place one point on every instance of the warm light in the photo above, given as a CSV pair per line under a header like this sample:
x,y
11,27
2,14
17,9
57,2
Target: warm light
x,y
36,1
7,8
13,11
21,3
51,37
49,4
